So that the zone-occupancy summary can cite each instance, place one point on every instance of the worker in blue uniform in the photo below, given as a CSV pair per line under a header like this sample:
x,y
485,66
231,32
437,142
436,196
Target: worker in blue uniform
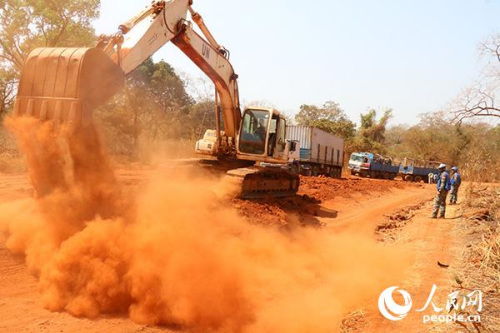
x,y
443,186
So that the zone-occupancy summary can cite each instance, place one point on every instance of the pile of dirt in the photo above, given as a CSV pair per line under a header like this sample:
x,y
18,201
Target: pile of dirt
x,y
304,208
325,188
290,211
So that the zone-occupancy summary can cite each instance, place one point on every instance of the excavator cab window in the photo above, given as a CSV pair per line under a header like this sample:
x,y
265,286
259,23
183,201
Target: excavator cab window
x,y
272,135
281,141
254,132
276,142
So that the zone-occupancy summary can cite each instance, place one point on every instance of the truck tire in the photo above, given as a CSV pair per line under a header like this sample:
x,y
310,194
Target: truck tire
x,y
408,178
315,171
417,179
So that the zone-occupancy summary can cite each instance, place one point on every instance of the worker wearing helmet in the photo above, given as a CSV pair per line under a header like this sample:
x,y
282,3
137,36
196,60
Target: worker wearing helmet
x,y
456,181
443,186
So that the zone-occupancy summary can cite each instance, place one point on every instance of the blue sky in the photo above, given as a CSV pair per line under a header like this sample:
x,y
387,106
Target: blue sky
x,y
411,56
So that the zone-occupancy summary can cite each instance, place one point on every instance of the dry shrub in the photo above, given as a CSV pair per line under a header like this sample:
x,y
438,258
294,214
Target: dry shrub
x,y
481,270
491,254
11,159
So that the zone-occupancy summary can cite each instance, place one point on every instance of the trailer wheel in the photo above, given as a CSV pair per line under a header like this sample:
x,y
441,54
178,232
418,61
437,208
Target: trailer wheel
x,y
315,170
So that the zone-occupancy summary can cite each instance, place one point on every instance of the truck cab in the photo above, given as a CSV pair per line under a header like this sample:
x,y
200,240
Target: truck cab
x,y
360,162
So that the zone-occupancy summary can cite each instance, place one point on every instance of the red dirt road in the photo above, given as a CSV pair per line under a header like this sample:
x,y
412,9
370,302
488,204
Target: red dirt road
x,y
339,205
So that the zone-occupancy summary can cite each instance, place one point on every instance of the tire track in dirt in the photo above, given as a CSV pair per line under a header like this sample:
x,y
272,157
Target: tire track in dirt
x,y
431,240
364,214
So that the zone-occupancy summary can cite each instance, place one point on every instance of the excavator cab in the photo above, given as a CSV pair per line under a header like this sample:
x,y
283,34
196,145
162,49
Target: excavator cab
x,y
65,84
262,134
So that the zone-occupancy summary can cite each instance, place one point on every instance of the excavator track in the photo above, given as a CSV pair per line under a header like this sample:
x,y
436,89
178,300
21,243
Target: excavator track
x,y
260,182
251,182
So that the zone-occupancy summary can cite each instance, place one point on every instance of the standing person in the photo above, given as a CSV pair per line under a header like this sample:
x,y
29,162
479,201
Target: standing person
x,y
456,180
443,186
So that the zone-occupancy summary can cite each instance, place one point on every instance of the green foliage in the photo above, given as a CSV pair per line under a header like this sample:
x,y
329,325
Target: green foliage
x,y
372,132
27,24
474,147
7,90
330,117
154,108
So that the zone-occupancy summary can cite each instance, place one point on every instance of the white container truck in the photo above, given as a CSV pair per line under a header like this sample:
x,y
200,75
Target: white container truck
x,y
321,153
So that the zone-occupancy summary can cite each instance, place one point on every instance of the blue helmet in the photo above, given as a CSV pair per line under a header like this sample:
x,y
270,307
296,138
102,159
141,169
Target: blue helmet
x,y
454,168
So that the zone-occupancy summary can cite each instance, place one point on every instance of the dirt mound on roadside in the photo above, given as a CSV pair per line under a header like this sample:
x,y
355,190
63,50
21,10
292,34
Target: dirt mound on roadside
x,y
325,188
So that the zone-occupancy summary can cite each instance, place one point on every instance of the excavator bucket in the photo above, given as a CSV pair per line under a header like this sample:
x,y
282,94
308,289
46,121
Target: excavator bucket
x,y
66,84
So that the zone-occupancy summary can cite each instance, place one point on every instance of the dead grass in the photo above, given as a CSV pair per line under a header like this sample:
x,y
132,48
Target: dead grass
x,y
354,321
11,160
480,269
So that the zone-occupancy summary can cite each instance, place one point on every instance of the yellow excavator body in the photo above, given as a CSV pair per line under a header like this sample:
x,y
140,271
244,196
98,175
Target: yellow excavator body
x,y
64,85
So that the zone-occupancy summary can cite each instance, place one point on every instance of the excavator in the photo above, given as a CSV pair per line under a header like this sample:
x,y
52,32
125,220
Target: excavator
x,y
64,85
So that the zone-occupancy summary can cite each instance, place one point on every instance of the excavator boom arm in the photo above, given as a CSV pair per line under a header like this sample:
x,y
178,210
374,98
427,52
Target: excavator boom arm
x,y
169,24
218,69
65,84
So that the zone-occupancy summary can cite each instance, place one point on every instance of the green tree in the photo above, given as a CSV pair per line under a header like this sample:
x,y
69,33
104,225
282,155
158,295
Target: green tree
x,y
200,118
153,108
27,24
374,129
395,140
372,132
330,117
7,90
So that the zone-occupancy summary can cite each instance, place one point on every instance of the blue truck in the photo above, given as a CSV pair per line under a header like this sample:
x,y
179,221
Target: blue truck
x,y
373,166
418,170
376,166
